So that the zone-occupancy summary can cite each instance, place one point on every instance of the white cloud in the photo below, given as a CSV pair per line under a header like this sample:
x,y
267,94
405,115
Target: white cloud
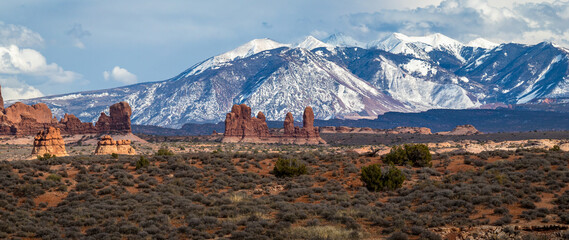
x,y
16,61
13,89
23,69
19,35
121,75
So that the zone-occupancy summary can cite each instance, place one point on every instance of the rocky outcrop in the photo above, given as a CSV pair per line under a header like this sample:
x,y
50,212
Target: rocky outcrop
x,y
109,146
49,141
241,127
74,126
21,119
118,121
39,112
397,130
308,134
462,130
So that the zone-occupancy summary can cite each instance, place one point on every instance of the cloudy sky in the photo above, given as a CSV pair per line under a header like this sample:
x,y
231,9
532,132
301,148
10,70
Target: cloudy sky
x,y
61,46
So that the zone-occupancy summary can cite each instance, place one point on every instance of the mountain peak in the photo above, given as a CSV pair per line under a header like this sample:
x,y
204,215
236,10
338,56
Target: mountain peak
x,y
482,43
343,40
436,40
311,42
251,48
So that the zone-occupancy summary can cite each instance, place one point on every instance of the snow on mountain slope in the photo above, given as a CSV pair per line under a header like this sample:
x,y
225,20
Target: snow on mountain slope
x,y
482,43
418,93
248,49
311,43
399,43
308,79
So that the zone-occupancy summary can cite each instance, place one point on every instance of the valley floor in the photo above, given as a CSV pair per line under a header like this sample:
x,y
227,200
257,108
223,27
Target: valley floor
x,y
474,190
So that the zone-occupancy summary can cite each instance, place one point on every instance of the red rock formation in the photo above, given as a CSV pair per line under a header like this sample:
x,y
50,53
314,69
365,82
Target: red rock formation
x,y
261,116
118,121
308,118
74,126
241,127
108,146
289,125
308,134
49,141
40,112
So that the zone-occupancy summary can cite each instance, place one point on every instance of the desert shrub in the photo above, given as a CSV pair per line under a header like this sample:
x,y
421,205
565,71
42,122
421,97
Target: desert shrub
x,y
377,179
527,204
54,177
114,155
555,148
142,162
28,190
416,155
46,156
503,220
398,236
163,151
289,168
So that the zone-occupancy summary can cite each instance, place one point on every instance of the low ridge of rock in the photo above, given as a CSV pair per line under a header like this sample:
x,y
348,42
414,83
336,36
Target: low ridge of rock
x,y
462,130
397,130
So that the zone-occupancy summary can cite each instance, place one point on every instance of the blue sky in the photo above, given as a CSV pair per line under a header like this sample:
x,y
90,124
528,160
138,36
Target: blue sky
x,y
61,46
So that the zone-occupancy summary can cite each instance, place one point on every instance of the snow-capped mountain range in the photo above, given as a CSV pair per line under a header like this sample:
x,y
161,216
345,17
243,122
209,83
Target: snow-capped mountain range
x,y
340,78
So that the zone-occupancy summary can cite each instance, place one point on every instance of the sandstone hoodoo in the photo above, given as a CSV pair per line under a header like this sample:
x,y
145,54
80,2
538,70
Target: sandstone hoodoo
x,y
109,146
21,119
49,141
240,126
